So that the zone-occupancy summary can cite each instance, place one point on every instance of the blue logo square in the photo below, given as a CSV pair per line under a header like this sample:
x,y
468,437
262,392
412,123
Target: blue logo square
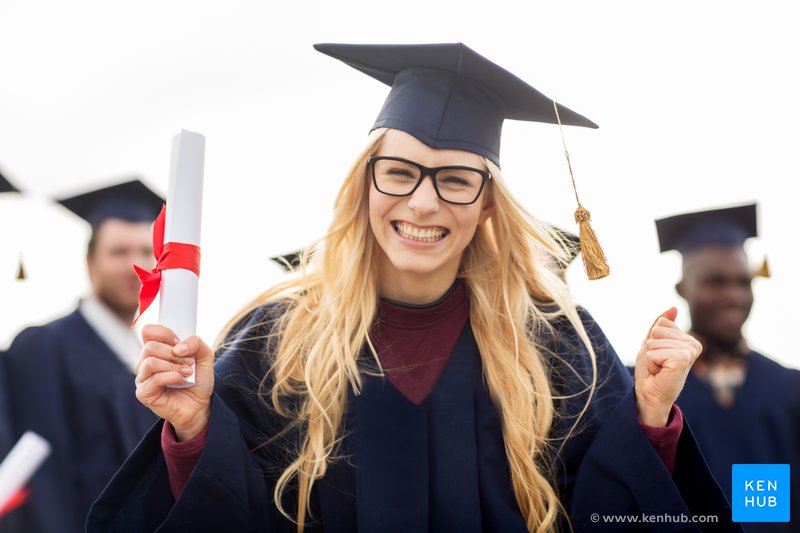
x,y
760,493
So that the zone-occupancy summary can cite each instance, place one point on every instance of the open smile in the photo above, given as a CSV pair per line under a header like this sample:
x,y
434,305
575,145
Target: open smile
x,y
427,234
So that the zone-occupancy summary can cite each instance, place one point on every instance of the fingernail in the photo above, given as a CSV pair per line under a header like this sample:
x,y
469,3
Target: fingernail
x,y
188,361
181,349
186,371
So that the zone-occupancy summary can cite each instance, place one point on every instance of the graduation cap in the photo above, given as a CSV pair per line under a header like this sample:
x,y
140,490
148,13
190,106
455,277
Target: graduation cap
x,y
132,201
570,242
288,261
450,97
6,186
729,227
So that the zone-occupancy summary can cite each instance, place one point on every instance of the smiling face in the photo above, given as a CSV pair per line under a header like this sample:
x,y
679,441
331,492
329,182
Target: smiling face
x,y
421,238
717,286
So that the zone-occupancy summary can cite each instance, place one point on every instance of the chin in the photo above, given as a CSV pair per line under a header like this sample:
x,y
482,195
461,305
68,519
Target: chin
x,y
415,265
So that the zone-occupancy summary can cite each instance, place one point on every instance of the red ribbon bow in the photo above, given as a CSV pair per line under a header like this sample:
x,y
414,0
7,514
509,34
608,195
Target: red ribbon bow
x,y
168,256
14,501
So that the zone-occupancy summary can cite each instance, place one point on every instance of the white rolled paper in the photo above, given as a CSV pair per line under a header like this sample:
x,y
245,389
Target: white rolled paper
x,y
21,463
178,295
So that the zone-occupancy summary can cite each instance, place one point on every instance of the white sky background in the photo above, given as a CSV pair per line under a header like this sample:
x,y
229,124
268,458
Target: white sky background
x,y
696,102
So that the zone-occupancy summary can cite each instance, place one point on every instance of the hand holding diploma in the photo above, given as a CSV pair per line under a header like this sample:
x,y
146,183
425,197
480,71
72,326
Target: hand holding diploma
x,y
18,467
176,243
165,363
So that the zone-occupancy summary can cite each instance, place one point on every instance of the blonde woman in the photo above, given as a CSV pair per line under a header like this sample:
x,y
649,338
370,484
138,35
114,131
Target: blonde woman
x,y
423,371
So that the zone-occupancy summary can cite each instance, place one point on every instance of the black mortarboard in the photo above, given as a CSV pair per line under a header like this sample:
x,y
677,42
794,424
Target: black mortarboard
x,y
730,226
570,243
448,96
132,201
5,185
288,261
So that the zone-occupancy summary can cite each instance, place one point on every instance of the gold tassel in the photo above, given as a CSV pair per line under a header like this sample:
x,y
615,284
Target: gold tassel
x,y
21,271
594,260
763,272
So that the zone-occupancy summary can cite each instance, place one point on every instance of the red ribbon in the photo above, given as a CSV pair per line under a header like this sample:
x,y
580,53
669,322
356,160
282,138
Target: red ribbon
x,y
168,256
16,499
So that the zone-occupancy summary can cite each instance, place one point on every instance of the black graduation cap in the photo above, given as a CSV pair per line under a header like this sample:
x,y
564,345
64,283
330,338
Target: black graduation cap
x,y
289,261
132,201
730,226
449,96
6,186
569,241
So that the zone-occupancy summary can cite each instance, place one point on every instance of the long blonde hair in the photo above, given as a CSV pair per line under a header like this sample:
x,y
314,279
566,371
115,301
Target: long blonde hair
x,y
332,304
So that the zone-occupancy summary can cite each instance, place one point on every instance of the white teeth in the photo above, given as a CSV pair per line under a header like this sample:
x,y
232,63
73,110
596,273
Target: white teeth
x,y
422,235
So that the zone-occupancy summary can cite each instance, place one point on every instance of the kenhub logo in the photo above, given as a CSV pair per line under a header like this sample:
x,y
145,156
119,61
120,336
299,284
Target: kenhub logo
x,y
760,493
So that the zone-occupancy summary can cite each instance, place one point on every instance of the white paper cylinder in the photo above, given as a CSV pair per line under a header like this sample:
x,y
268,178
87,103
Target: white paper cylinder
x,y
178,295
21,463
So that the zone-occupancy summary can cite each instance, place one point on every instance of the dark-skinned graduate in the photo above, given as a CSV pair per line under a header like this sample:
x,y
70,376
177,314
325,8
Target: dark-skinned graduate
x,y
743,406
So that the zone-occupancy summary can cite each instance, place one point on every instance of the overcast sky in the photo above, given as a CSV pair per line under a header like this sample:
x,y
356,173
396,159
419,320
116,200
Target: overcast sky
x,y
696,102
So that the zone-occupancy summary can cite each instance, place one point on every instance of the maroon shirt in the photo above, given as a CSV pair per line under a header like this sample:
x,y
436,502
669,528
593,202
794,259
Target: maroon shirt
x,y
414,344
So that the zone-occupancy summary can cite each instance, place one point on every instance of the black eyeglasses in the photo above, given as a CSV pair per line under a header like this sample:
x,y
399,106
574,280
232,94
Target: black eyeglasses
x,y
396,176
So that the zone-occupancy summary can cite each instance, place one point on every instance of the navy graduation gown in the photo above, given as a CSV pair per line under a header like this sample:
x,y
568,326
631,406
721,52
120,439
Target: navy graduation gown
x,y
439,466
6,438
10,522
67,385
761,427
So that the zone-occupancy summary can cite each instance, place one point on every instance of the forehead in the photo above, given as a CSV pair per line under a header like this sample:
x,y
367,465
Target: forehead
x,y
115,232
723,260
401,144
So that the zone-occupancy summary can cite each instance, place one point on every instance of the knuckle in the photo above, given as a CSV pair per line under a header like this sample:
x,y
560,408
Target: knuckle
x,y
150,330
151,347
140,394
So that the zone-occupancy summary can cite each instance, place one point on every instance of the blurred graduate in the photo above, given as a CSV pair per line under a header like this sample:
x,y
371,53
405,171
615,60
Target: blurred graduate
x,y
744,408
426,368
71,380
8,523
5,427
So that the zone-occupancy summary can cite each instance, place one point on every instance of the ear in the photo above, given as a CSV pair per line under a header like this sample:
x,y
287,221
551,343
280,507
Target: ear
x,y
488,205
680,288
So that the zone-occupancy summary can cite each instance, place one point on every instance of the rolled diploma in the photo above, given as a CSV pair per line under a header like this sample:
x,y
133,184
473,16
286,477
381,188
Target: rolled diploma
x,y
178,295
21,463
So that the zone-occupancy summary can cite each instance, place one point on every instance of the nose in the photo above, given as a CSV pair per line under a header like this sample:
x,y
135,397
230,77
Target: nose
x,y
738,293
424,201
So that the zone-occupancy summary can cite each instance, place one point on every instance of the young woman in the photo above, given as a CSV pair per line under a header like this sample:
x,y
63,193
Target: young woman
x,y
425,370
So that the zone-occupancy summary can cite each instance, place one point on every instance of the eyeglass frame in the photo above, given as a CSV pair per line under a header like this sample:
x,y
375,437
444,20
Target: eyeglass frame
x,y
427,171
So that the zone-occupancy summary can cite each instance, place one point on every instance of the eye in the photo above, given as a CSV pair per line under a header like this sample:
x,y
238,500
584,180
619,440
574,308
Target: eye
x,y
458,178
454,180
400,172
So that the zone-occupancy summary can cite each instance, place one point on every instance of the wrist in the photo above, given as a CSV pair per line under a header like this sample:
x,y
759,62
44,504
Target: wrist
x,y
191,428
653,416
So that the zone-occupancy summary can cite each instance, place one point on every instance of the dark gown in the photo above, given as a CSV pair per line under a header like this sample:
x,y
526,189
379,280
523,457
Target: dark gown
x,y
439,466
10,522
761,427
67,385
6,438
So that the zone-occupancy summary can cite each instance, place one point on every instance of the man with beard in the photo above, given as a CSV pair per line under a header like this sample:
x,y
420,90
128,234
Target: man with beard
x,y
72,380
743,407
